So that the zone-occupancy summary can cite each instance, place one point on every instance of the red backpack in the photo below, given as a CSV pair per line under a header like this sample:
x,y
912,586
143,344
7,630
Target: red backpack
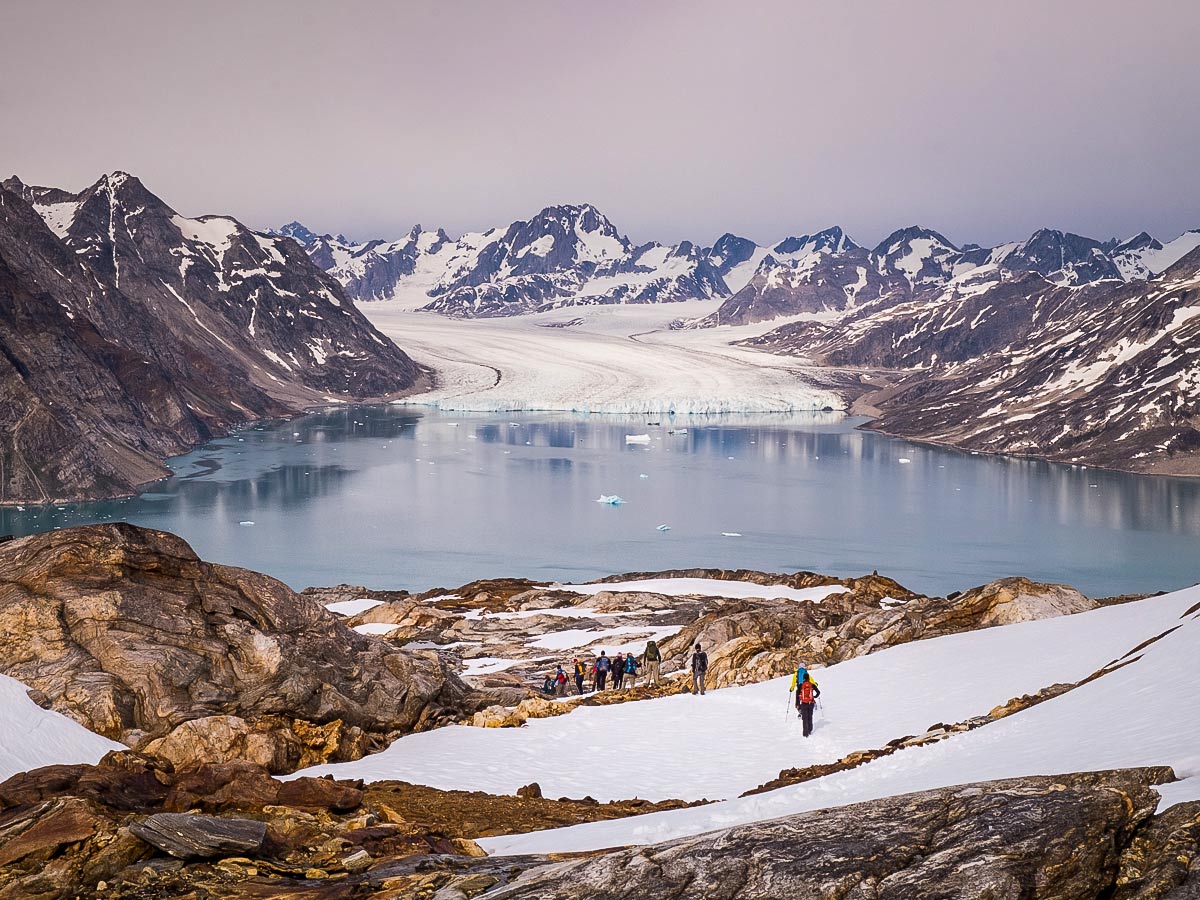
x,y
806,692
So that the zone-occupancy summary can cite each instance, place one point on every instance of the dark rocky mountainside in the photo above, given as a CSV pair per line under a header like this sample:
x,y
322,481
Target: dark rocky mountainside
x,y
1102,374
128,632
130,333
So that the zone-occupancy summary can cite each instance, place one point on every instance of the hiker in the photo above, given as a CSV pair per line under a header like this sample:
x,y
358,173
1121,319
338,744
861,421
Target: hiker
x,y
618,672
560,683
603,666
699,668
653,659
548,686
631,672
580,672
807,693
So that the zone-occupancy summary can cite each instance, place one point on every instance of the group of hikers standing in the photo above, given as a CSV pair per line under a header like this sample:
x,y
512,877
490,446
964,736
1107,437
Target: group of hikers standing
x,y
604,672
622,672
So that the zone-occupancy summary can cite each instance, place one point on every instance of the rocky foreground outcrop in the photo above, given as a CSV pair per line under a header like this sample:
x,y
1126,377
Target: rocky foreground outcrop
x,y
124,829
132,827
1076,837
127,631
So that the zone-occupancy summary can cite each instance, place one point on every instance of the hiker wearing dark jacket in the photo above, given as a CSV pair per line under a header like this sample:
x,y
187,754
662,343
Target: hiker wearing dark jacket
x,y
807,693
560,682
699,669
603,666
580,673
618,671
653,659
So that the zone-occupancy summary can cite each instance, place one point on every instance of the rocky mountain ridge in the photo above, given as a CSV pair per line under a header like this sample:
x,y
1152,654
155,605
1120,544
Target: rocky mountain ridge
x,y
574,255
1102,373
131,333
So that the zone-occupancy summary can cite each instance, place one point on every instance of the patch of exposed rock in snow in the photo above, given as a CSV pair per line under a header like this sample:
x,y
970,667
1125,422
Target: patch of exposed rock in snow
x,y
31,737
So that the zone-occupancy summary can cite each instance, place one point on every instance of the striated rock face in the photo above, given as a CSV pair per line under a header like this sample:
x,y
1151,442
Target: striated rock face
x,y
1051,838
127,631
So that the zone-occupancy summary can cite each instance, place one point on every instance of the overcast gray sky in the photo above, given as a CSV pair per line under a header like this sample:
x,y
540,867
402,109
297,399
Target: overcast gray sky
x,y
677,119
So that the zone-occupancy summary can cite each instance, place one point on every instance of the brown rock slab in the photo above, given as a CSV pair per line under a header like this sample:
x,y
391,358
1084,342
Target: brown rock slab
x,y
187,836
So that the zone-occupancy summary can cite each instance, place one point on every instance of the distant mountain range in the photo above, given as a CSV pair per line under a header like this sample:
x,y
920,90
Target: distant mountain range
x,y
129,333
573,255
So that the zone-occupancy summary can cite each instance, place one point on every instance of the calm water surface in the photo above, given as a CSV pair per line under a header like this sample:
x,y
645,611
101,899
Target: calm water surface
x,y
392,497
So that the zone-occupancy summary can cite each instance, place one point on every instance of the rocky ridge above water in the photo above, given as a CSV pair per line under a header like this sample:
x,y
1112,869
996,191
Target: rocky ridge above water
x,y
131,333
128,632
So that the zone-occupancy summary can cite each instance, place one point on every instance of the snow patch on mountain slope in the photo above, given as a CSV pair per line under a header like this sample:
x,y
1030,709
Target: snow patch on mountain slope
x,y
706,587
31,737
1145,713
734,739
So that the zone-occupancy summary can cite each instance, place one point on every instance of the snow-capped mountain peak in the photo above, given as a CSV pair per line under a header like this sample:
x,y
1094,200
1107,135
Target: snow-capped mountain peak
x,y
920,255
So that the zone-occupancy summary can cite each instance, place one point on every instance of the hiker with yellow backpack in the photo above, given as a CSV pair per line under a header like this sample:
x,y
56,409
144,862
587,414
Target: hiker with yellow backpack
x,y
807,693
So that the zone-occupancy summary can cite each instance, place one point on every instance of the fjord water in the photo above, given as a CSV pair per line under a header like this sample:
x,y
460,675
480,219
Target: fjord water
x,y
399,497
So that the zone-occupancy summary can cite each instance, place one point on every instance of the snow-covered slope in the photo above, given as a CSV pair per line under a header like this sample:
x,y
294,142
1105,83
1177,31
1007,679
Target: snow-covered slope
x,y
31,737
734,739
1145,713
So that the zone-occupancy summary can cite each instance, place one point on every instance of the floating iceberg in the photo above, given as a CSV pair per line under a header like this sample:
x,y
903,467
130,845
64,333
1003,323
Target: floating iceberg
x,y
245,523
637,438
731,534
643,475
677,431
663,528
904,459
610,499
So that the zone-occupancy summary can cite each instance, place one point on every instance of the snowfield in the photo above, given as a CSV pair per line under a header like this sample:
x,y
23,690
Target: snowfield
x,y
31,737
706,587
734,739
614,359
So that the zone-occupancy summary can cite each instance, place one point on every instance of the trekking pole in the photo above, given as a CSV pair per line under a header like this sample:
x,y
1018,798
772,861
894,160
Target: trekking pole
x,y
788,711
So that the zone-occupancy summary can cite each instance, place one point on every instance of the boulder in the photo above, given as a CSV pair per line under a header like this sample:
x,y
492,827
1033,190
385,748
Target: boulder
x,y
128,632
1044,838
187,836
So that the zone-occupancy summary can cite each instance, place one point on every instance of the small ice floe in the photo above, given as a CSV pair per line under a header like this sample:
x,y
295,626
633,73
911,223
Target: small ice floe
x,y
663,528
295,434
514,424
677,431
247,523
904,460
643,475
637,438
731,534
451,424
610,499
